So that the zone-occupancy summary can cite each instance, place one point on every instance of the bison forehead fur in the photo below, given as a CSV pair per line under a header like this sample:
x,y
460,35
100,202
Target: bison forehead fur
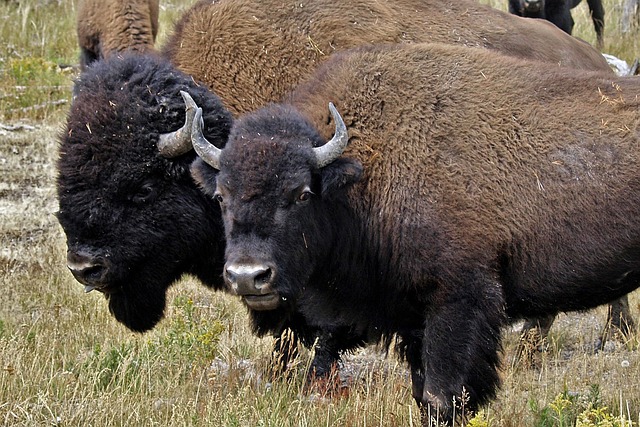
x,y
492,189
285,125
120,200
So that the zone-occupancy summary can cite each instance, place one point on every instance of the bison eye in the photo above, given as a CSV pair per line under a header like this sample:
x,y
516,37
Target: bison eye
x,y
305,196
218,197
145,194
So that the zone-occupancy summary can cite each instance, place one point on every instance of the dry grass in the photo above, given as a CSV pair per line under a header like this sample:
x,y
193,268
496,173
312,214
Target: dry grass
x,y
65,361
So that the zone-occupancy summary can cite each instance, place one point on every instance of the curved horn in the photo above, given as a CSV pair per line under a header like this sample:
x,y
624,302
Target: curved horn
x,y
206,150
174,144
334,148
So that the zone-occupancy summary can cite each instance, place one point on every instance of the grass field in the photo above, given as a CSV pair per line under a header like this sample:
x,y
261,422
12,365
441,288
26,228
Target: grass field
x,y
64,361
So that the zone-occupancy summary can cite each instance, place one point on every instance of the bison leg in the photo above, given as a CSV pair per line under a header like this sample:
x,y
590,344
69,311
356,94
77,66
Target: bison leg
x,y
539,325
460,345
533,339
559,13
323,374
411,347
285,350
619,321
620,316
597,15
326,359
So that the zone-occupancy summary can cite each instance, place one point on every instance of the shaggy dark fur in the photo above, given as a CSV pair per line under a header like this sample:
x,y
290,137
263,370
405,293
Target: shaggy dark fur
x,y
559,13
126,204
109,26
459,205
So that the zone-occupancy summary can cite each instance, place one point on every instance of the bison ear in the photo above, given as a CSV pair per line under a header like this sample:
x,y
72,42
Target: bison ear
x,y
340,174
204,176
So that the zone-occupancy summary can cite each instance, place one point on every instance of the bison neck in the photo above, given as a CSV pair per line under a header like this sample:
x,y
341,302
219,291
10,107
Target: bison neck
x,y
357,283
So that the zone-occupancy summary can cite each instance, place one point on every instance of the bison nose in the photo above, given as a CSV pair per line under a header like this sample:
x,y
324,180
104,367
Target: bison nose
x,y
249,279
87,269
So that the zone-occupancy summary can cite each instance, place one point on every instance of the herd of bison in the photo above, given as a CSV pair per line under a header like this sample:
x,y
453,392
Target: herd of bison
x,y
416,172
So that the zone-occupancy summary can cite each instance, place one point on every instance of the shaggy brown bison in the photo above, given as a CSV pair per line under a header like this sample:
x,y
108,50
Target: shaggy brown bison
x,y
275,43
130,217
475,189
106,27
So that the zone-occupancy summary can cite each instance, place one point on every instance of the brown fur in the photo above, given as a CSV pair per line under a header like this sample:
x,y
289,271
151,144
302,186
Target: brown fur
x,y
108,26
252,52
503,155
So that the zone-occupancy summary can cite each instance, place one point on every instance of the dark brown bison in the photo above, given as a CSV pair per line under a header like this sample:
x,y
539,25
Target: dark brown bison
x,y
111,26
475,189
130,217
559,13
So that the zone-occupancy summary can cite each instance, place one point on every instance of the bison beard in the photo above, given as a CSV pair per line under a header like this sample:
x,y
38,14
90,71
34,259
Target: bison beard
x,y
139,312
459,205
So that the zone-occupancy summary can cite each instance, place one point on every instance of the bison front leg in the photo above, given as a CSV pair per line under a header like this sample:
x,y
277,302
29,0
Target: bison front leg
x,y
323,375
460,349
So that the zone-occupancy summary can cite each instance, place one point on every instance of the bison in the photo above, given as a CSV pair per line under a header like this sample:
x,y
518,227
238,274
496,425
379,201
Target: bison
x,y
475,189
257,35
107,27
130,218
559,12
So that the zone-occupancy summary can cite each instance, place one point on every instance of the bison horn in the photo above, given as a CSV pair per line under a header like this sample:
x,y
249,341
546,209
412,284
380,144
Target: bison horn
x,y
174,144
334,148
206,150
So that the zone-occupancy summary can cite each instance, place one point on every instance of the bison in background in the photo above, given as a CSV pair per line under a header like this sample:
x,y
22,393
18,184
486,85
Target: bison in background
x,y
135,221
474,189
559,13
111,26
275,43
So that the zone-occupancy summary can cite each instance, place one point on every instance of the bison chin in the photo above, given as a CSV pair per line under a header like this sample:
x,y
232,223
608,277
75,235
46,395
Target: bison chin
x,y
139,313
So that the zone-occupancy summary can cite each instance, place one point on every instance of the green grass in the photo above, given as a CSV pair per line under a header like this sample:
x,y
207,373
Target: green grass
x,y
65,361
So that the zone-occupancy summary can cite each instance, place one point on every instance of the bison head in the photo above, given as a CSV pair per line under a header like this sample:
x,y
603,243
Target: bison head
x,y
274,176
134,219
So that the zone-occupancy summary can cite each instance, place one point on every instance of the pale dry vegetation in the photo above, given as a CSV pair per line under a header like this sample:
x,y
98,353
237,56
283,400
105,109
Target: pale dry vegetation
x,y
65,361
